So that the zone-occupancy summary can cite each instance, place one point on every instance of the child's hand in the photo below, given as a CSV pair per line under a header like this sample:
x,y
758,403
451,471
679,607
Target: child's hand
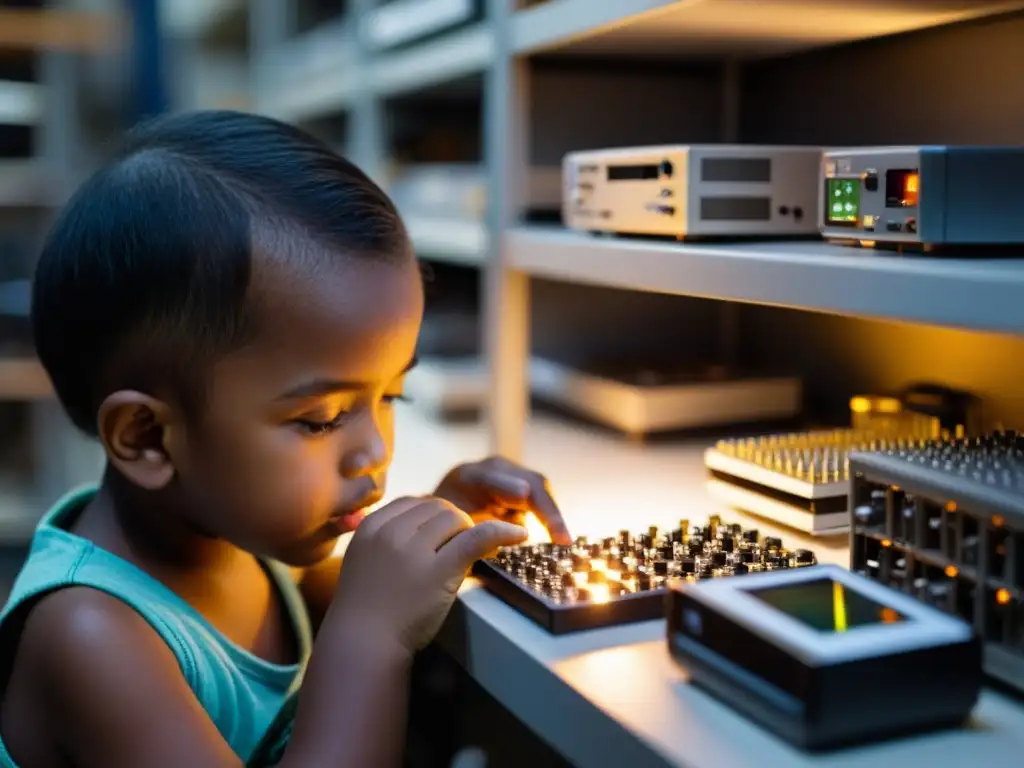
x,y
405,565
497,488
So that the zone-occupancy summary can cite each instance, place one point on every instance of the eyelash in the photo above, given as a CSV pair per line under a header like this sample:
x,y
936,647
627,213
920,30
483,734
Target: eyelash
x,y
320,428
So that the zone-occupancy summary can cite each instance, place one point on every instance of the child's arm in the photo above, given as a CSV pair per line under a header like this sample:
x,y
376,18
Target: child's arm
x,y
110,693
111,690
317,584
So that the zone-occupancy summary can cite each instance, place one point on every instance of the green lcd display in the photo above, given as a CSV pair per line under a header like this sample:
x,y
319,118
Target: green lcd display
x,y
827,606
842,203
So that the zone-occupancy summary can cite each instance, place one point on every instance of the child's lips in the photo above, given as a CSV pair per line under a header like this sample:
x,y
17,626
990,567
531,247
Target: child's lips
x,y
347,522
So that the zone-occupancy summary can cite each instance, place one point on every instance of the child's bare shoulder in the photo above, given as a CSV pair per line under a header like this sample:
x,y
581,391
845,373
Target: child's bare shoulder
x,y
91,677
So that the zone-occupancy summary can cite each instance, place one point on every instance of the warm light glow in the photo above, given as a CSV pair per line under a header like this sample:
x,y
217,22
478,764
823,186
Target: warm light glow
x,y
864,404
951,571
951,506
537,533
598,564
911,188
599,593
580,579
998,521
1002,596
889,616
886,543
860,405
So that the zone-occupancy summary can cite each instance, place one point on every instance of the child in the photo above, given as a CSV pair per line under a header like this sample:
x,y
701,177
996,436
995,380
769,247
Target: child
x,y
230,308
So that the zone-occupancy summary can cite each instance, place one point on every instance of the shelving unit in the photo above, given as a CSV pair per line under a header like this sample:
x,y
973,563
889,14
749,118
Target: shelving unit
x,y
335,69
803,275
46,56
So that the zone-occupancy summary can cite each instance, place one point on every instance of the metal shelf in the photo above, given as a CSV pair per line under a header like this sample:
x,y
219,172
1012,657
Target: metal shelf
x,y
978,294
467,51
747,28
310,76
23,379
30,183
20,103
202,18
556,23
59,30
453,241
307,98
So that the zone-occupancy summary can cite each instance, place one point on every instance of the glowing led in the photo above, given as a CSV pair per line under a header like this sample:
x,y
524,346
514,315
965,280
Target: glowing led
x,y
536,532
1003,596
599,593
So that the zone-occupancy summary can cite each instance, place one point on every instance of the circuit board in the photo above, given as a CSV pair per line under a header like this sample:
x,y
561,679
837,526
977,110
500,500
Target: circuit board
x,y
623,579
945,522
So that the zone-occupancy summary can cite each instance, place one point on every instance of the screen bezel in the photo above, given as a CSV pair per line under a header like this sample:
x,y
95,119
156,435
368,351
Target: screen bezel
x,y
923,626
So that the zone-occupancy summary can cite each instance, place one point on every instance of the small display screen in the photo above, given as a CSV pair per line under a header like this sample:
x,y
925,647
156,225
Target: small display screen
x,y
842,204
902,188
632,172
827,605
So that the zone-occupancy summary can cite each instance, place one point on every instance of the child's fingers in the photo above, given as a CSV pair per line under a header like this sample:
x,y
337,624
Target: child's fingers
x,y
506,486
472,544
447,522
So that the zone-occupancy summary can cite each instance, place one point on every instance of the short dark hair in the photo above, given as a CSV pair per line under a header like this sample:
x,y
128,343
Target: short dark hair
x,y
144,276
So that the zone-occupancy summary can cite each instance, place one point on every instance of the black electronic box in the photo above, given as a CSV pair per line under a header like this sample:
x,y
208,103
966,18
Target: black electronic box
x,y
807,653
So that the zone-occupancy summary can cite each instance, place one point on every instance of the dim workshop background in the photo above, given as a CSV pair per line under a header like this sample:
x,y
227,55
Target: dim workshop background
x,y
660,327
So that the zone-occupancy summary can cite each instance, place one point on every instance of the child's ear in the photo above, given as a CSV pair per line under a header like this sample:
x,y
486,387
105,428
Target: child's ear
x,y
134,429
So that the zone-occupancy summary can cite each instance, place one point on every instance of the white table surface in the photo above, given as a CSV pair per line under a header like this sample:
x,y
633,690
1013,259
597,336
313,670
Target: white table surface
x,y
614,697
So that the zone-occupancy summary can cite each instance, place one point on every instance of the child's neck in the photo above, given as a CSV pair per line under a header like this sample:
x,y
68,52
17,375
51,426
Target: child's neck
x,y
142,527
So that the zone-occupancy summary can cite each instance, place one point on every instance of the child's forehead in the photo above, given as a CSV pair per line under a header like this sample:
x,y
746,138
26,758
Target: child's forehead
x,y
355,312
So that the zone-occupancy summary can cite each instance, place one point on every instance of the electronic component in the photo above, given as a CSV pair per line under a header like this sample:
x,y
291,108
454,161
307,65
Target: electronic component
x,y
805,654
710,190
640,400
401,22
801,480
922,197
944,521
622,579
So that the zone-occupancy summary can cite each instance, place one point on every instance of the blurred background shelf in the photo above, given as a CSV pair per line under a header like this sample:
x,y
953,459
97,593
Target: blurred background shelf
x,y
31,183
60,29
203,19
23,379
21,103
456,241
312,74
458,54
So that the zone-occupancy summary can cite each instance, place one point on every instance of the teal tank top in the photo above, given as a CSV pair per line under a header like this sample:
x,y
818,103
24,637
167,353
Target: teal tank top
x,y
251,701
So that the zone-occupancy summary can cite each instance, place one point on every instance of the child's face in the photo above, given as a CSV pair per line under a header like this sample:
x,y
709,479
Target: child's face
x,y
298,430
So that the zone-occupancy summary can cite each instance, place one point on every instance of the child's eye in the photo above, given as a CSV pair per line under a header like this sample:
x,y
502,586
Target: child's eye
x,y
397,399
316,428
